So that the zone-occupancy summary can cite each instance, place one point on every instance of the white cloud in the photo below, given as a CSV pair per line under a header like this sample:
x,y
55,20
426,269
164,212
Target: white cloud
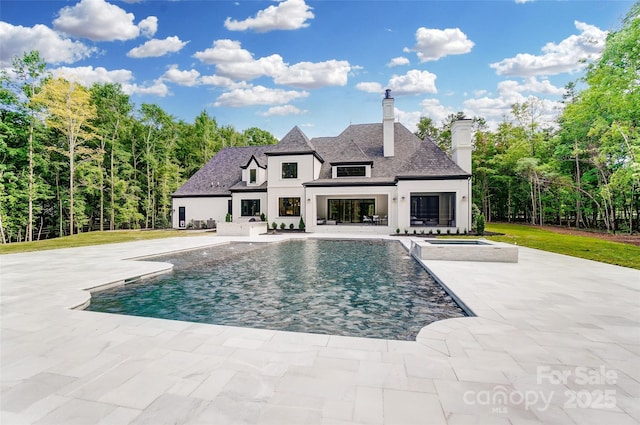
x,y
523,1
433,44
258,95
236,63
224,51
433,109
182,78
283,111
531,85
287,15
314,75
413,82
88,76
156,48
148,26
409,119
399,61
567,56
98,20
17,40
495,109
219,81
157,88
266,66
370,87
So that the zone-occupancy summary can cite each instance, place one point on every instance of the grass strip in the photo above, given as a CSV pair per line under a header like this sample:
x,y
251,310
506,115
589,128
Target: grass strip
x,y
590,248
94,238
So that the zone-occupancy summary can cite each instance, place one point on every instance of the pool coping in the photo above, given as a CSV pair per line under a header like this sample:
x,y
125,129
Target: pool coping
x,y
547,310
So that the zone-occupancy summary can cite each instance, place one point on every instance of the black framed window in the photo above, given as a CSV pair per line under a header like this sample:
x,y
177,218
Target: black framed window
x,y
289,170
351,171
252,175
289,207
250,207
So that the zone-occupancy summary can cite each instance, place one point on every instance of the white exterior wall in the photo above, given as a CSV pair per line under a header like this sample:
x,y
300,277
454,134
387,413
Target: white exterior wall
x,y
201,208
308,167
237,204
316,168
461,188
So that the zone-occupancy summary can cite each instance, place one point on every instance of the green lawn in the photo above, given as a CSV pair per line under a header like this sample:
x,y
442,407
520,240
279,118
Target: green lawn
x,y
94,238
578,246
591,248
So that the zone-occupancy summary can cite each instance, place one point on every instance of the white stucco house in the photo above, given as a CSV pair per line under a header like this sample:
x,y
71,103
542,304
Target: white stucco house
x,y
372,178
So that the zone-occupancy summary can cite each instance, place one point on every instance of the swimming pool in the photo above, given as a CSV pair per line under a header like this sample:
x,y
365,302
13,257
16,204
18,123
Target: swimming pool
x,y
369,288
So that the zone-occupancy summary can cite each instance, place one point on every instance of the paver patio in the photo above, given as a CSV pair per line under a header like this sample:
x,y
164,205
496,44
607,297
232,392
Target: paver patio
x,y
555,339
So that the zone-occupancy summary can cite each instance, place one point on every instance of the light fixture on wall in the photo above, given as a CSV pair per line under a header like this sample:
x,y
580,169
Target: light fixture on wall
x,y
394,198
402,198
464,197
308,199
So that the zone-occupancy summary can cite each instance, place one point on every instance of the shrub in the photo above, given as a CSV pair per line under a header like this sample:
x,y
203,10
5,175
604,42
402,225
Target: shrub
x,y
448,231
227,218
415,232
301,224
438,231
406,231
263,217
422,232
465,231
397,231
274,225
283,226
457,231
480,224
431,231
291,226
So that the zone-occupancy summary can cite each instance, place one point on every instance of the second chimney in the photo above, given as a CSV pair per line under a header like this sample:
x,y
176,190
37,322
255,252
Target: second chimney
x,y
387,123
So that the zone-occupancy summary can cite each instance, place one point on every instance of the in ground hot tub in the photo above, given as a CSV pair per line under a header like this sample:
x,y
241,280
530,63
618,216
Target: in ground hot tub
x,y
464,250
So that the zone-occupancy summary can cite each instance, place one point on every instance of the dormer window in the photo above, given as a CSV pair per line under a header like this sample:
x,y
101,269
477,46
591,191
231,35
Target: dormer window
x,y
252,176
351,171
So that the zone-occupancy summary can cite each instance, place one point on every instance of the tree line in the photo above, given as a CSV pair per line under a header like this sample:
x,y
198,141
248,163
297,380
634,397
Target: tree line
x,y
583,171
75,158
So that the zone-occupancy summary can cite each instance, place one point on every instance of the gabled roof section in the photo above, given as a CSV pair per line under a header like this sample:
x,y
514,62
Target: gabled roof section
x,y
295,142
222,172
253,158
414,158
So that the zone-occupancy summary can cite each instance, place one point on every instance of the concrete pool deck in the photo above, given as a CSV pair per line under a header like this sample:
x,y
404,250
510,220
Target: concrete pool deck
x,y
556,340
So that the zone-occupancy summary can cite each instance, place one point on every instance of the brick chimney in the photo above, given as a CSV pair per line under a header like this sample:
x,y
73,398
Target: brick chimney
x,y
387,123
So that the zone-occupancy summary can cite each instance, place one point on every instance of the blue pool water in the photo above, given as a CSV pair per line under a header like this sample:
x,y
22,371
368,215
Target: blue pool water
x,y
338,287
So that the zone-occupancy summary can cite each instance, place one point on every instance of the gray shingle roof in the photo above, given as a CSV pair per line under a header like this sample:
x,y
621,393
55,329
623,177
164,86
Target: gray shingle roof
x,y
222,172
295,141
413,158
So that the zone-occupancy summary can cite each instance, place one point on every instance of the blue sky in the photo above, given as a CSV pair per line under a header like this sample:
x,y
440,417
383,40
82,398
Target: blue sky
x,y
317,64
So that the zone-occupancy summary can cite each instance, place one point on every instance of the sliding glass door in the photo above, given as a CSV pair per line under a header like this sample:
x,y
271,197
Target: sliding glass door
x,y
351,210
